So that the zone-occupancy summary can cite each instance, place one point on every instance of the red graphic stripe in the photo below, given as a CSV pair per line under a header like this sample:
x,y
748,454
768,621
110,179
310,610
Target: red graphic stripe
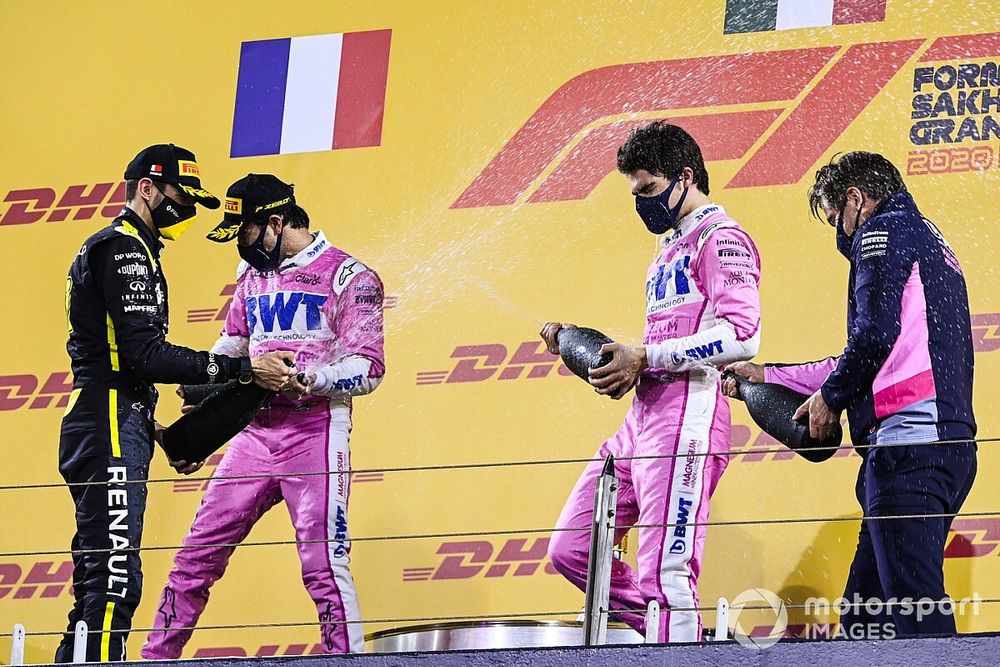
x,y
824,114
985,45
364,68
637,88
858,11
724,136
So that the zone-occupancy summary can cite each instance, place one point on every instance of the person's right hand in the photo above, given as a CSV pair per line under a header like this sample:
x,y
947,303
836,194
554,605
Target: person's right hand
x,y
549,334
749,370
274,369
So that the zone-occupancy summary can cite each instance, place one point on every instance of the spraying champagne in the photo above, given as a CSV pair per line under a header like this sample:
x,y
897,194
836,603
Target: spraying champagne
x,y
771,407
580,349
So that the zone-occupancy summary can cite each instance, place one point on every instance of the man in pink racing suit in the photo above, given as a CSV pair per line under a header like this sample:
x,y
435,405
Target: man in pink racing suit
x,y
294,292
702,311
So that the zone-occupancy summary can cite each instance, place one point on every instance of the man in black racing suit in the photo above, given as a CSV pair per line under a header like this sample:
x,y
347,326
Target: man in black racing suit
x,y
116,305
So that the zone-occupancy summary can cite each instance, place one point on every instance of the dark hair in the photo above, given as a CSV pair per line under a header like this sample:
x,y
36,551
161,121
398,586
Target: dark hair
x,y
296,217
663,149
869,172
131,187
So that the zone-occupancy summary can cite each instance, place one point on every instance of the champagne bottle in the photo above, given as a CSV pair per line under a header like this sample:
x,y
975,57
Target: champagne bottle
x,y
221,411
580,348
771,407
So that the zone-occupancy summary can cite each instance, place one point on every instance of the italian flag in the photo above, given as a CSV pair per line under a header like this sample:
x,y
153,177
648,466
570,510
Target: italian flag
x,y
766,15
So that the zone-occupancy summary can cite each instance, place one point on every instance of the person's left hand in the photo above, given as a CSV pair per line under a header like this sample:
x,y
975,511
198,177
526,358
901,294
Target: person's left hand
x,y
618,376
821,418
298,386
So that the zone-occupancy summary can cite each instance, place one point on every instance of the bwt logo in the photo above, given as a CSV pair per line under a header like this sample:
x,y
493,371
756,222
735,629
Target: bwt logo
x,y
973,538
477,363
680,530
218,314
465,560
575,129
200,485
284,306
44,579
18,391
34,204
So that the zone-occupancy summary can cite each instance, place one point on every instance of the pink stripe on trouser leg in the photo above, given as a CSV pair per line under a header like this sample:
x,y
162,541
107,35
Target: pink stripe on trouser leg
x,y
228,511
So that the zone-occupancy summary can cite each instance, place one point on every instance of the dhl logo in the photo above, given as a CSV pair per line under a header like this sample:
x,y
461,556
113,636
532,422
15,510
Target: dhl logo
x,y
569,144
465,560
18,391
478,363
265,651
43,579
35,204
200,485
188,168
973,538
196,315
985,337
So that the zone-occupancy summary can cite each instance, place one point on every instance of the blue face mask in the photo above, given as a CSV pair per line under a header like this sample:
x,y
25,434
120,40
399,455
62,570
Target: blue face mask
x,y
256,256
656,213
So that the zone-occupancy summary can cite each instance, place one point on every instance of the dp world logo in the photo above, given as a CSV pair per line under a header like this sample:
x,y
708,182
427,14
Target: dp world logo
x,y
755,599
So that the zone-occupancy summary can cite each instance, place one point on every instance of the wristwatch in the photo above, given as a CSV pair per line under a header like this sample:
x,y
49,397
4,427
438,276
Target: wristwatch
x,y
246,371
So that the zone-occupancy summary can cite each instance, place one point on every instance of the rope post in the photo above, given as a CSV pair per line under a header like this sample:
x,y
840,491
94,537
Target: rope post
x,y
17,645
80,642
602,542
652,622
721,620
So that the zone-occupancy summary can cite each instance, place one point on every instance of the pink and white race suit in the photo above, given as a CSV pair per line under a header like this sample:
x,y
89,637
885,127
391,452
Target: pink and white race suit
x,y
702,310
325,306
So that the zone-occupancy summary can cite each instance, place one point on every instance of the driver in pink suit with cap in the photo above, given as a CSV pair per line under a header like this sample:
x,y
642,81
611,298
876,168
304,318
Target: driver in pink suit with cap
x,y
294,292
702,311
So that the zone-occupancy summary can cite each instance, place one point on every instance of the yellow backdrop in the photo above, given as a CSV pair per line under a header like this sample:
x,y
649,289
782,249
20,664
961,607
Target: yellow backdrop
x,y
488,208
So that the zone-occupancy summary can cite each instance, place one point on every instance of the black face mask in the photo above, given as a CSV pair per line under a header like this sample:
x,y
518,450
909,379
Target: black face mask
x,y
845,242
256,256
170,217
656,213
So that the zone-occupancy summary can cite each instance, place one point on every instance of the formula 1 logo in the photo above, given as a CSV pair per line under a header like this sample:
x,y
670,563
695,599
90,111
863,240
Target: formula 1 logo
x,y
84,201
477,363
569,144
465,560
42,579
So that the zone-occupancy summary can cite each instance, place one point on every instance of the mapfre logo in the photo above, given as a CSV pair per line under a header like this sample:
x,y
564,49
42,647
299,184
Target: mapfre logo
x,y
40,579
26,390
973,538
45,204
568,145
478,363
465,560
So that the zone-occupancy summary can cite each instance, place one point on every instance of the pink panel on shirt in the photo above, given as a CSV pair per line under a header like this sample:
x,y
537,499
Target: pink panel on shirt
x,y
902,394
897,381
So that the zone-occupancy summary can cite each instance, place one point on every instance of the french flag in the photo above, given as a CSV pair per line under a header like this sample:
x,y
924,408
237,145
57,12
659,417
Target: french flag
x,y
315,93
